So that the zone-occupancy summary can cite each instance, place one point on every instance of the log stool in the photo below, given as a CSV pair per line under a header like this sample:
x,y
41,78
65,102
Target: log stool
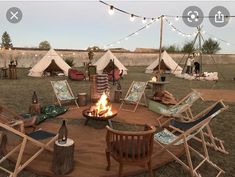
x,y
63,157
82,99
35,108
117,96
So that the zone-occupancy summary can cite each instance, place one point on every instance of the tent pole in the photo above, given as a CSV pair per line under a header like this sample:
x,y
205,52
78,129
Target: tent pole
x,y
160,48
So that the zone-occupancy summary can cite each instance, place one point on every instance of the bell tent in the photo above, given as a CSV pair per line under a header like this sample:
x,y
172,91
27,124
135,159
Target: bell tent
x,y
51,62
105,64
167,64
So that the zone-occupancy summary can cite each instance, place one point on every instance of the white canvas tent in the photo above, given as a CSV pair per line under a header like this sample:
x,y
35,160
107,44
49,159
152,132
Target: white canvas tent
x,y
50,60
170,64
104,61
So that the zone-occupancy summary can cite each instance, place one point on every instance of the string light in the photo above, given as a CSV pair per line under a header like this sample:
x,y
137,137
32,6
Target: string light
x,y
152,20
173,28
130,35
132,17
144,20
193,16
111,10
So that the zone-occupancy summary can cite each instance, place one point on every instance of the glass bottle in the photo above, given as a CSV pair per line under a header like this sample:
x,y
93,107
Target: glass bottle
x,y
63,133
34,98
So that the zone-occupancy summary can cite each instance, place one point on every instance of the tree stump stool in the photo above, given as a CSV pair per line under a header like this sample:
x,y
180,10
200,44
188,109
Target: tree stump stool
x,y
35,108
63,157
117,96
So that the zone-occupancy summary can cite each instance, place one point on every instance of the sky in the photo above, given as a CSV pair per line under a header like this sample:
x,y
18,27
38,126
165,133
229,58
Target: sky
x,y
80,24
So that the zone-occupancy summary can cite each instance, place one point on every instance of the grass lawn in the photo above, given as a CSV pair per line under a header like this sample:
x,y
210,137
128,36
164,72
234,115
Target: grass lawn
x,y
16,94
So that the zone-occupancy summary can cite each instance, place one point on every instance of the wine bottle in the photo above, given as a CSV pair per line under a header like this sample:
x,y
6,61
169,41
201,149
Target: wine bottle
x,y
34,98
63,133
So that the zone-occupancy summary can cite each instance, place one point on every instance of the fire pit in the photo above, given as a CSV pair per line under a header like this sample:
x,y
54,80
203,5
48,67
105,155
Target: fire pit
x,y
102,111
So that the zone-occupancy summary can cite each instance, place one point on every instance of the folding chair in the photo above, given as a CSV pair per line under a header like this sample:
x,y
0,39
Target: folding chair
x,y
181,109
211,111
14,120
181,133
63,92
134,95
24,140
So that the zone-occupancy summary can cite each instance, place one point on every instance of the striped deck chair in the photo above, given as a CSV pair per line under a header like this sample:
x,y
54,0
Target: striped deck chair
x,y
63,92
180,134
212,111
134,95
181,109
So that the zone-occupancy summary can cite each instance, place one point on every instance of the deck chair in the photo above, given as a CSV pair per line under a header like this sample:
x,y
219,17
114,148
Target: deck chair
x,y
181,109
23,141
134,95
14,120
181,134
211,140
63,92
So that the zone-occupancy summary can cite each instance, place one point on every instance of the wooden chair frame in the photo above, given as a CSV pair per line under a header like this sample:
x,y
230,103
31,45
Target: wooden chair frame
x,y
182,138
141,96
185,113
14,120
69,90
21,149
143,140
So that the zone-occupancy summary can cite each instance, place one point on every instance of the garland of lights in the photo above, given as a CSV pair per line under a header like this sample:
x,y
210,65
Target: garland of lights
x,y
111,9
130,35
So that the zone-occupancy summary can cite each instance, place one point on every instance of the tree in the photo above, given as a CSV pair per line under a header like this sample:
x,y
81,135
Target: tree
x,y
44,45
210,46
188,47
6,41
172,48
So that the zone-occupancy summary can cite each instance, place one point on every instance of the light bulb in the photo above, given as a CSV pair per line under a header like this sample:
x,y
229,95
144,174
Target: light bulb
x,y
118,42
111,10
173,29
144,20
176,18
126,38
215,39
132,17
147,26
136,33
228,43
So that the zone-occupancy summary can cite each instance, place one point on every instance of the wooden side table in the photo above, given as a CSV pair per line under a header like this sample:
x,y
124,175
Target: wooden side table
x,y
117,96
63,157
35,108
158,86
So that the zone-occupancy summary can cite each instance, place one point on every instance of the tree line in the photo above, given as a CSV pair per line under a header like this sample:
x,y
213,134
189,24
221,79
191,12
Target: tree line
x,y
209,46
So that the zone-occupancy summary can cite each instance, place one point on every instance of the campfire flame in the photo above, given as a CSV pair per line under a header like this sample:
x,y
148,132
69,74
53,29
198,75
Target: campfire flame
x,y
102,109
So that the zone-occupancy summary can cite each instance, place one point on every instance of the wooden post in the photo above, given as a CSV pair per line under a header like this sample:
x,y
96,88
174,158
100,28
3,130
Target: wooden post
x,y
200,48
160,48
63,157
35,108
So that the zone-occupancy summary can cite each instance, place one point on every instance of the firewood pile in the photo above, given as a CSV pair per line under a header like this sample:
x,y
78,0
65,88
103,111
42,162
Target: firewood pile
x,y
165,97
